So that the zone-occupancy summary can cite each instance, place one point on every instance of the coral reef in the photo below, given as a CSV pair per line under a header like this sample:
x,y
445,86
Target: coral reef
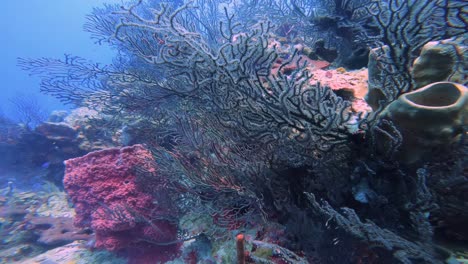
x,y
403,250
395,61
87,122
35,155
29,225
57,132
245,130
330,28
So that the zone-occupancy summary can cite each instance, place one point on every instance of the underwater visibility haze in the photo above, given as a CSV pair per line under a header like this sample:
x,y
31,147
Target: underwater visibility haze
x,y
234,131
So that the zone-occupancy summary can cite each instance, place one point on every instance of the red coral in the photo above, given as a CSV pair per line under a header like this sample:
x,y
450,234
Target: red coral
x,y
110,199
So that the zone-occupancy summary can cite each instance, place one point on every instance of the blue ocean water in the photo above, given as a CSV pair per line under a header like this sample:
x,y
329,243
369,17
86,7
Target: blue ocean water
x,y
43,29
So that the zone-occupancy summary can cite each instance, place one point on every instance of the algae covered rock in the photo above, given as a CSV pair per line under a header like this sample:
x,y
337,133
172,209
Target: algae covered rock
x,y
76,253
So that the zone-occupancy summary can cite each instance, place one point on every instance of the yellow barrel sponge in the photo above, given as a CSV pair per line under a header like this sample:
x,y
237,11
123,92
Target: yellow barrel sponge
x,y
430,118
443,60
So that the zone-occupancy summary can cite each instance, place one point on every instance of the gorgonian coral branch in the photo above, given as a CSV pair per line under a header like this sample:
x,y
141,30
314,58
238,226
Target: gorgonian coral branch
x,y
231,81
405,26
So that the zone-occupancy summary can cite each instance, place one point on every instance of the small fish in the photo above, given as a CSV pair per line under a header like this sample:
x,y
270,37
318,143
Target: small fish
x,y
45,165
336,241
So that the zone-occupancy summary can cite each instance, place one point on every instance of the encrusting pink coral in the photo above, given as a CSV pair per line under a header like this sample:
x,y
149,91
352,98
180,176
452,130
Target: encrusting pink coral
x,y
109,198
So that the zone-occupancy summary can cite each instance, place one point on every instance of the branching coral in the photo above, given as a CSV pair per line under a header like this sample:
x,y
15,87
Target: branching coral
x,y
405,26
329,27
233,81
403,250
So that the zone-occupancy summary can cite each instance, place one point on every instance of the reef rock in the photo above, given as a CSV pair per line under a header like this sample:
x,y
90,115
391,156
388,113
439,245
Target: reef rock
x,y
54,232
54,205
90,135
75,252
57,116
58,132
16,253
